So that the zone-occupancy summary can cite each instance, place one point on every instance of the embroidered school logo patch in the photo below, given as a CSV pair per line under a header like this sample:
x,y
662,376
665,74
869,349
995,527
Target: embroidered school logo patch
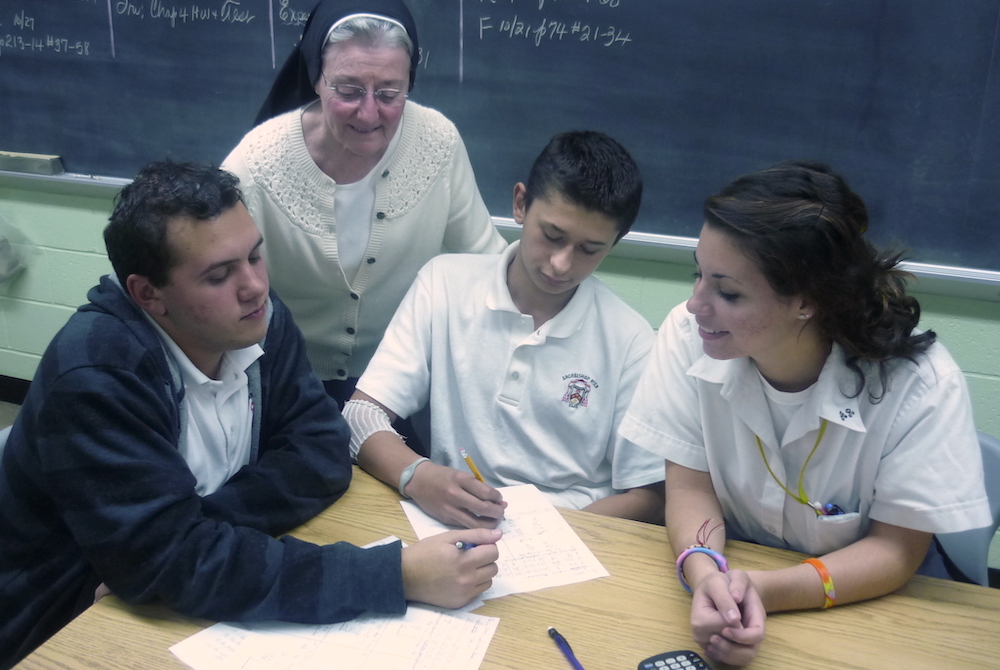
x,y
577,393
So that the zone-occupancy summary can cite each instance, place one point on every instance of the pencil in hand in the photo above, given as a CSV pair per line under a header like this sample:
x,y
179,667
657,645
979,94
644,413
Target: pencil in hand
x,y
472,465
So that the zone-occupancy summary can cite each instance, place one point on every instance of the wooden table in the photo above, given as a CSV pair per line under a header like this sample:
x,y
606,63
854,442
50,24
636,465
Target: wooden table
x,y
612,623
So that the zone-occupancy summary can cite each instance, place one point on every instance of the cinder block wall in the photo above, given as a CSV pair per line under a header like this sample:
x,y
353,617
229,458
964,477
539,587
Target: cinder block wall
x,y
66,221
970,329
68,258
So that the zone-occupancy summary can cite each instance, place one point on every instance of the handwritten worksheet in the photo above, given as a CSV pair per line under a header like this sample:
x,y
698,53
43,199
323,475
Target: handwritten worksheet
x,y
425,638
538,549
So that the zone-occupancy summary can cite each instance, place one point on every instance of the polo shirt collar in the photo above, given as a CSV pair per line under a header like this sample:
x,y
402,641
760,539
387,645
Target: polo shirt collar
x,y
832,400
829,398
234,362
565,323
498,296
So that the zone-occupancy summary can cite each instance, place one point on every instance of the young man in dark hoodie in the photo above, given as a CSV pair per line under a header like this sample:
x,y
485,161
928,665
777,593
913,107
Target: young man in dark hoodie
x,y
174,427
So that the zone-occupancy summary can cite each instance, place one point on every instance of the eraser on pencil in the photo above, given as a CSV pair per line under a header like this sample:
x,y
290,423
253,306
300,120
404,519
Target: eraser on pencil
x,y
30,163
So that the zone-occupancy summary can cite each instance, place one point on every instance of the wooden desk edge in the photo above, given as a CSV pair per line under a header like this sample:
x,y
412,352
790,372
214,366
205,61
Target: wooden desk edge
x,y
160,628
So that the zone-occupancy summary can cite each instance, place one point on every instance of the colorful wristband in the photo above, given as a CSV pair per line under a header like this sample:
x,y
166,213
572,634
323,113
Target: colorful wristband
x,y
719,559
829,594
407,475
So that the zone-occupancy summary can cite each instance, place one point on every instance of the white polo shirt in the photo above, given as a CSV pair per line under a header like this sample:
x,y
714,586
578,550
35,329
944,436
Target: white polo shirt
x,y
911,459
529,406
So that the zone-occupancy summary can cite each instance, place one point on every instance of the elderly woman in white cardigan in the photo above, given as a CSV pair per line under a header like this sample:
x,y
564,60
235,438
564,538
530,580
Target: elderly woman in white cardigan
x,y
353,187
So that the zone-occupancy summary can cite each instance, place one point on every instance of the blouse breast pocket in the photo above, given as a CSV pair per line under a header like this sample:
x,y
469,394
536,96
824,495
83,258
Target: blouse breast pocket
x,y
834,531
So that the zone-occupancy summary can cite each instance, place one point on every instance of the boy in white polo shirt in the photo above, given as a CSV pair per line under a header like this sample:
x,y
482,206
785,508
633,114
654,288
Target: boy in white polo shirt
x,y
528,363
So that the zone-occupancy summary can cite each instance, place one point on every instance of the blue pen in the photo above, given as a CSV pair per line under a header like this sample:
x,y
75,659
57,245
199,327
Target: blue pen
x,y
565,648
465,545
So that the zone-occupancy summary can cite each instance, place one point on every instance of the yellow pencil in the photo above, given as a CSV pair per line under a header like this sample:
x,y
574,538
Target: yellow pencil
x,y
472,466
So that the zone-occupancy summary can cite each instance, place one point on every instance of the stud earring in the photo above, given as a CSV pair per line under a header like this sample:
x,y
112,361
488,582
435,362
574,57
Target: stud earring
x,y
804,316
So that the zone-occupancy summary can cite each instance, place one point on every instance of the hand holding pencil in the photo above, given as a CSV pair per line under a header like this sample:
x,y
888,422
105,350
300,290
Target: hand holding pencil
x,y
456,497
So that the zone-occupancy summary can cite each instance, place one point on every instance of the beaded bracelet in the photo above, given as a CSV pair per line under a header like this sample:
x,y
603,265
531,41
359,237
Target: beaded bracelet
x,y
829,594
719,559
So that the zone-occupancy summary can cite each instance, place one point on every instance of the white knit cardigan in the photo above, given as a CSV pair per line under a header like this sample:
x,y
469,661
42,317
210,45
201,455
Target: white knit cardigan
x,y
426,202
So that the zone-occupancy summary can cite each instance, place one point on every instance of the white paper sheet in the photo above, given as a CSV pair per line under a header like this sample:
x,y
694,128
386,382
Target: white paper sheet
x,y
425,638
538,548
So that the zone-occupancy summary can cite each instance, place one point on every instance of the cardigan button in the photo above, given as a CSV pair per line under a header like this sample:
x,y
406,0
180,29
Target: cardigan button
x,y
351,331
341,373
370,261
355,296
385,174
380,215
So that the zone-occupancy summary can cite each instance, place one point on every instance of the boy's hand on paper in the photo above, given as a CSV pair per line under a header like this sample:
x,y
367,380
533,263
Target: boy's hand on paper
x,y
437,572
456,498
727,617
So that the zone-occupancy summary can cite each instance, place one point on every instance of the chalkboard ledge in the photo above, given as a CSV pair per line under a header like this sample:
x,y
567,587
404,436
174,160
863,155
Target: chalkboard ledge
x,y
944,280
956,282
68,183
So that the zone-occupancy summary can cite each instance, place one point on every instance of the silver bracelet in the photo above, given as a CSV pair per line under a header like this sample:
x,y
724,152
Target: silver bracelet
x,y
407,475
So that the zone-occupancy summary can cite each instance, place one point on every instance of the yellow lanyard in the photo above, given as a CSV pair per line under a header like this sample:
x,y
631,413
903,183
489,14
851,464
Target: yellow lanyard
x,y
801,497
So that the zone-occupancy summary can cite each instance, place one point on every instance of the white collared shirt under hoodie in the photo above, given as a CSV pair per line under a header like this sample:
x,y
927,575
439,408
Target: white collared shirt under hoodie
x,y
220,415
910,459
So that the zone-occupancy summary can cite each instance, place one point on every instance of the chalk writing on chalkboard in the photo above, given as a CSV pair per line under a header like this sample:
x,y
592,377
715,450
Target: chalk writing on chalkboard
x,y
231,11
27,40
899,95
120,12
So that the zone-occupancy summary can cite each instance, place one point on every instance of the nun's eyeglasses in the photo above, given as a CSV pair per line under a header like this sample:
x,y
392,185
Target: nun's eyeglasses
x,y
349,94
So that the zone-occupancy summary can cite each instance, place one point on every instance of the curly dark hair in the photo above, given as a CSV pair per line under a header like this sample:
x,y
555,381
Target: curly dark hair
x,y
804,228
136,236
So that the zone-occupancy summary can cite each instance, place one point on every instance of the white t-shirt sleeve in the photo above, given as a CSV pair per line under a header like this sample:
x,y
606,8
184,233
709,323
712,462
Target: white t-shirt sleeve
x,y
399,374
664,416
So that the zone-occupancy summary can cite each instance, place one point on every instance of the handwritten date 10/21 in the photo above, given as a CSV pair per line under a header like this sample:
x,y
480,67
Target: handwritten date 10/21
x,y
551,30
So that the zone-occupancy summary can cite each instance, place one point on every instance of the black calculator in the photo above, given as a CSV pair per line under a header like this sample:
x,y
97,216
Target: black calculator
x,y
674,660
